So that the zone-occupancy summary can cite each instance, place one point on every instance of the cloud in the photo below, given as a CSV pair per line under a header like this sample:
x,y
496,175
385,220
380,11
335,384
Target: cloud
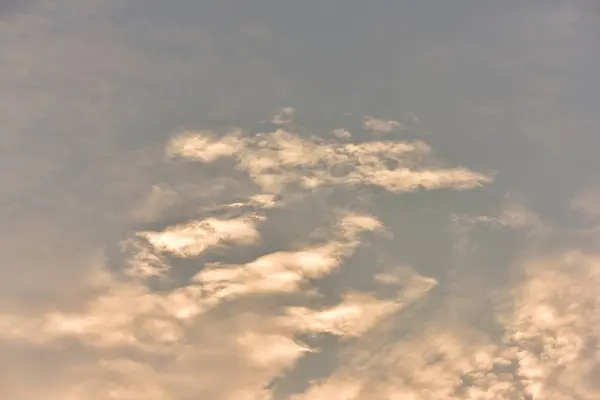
x,y
204,146
158,201
357,313
512,215
248,315
413,117
285,271
587,203
284,117
279,159
404,338
553,326
130,276
428,364
548,349
377,125
262,315
193,238
342,134
121,315
129,315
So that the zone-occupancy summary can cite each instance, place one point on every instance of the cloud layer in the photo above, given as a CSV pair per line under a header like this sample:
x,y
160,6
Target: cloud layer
x,y
125,316
159,242
255,317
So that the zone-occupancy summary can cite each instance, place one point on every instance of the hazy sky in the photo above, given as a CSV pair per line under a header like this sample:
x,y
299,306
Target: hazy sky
x,y
304,200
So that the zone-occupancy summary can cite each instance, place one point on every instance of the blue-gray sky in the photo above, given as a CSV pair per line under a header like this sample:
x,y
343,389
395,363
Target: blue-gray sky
x,y
299,199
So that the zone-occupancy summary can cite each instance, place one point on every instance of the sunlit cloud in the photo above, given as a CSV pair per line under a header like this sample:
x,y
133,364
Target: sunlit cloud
x,y
384,126
553,326
205,146
193,238
260,313
358,312
280,159
164,221
124,313
285,271
342,134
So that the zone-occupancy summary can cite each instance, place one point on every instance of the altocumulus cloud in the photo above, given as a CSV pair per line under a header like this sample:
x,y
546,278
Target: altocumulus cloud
x,y
256,256
183,337
244,315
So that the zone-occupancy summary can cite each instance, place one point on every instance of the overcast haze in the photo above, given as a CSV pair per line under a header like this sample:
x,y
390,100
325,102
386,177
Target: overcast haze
x,y
304,200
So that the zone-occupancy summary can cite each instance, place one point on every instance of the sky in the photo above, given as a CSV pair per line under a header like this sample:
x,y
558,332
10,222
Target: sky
x,y
303,200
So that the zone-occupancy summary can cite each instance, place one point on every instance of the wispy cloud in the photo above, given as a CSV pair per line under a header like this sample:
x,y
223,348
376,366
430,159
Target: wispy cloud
x,y
285,116
587,203
378,125
512,215
124,314
403,338
309,263
342,133
279,159
156,203
193,238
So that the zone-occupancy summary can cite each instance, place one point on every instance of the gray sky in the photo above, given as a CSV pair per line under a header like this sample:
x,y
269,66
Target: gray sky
x,y
299,200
